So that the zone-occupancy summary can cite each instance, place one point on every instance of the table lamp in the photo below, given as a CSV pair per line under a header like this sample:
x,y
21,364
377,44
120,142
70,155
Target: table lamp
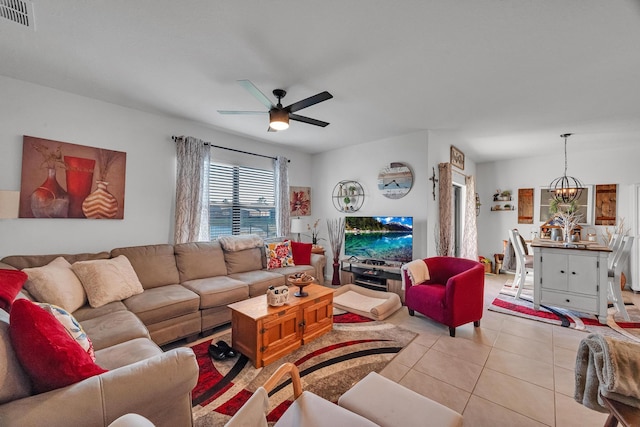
x,y
296,226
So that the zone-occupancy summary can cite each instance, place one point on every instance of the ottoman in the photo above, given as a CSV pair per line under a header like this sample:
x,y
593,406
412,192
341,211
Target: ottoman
x,y
390,404
376,305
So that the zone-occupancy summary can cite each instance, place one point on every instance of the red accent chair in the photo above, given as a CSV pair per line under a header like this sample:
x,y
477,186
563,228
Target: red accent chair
x,y
454,294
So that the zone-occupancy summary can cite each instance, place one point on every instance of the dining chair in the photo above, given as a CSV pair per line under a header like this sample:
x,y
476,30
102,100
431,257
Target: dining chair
x,y
614,244
524,263
618,261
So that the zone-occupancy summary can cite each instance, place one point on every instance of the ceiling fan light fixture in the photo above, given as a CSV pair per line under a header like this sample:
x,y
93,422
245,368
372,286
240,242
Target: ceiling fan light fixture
x,y
278,119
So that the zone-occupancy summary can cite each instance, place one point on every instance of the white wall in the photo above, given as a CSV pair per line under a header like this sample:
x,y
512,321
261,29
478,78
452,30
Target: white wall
x,y
28,109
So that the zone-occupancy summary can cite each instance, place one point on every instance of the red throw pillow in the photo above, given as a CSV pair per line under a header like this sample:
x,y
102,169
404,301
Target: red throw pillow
x,y
11,282
49,355
301,253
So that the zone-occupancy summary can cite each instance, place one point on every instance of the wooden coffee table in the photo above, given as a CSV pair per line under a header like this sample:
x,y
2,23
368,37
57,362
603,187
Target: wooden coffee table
x,y
265,334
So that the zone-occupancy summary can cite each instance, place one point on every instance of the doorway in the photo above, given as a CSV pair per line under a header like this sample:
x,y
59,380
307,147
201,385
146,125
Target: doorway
x,y
458,217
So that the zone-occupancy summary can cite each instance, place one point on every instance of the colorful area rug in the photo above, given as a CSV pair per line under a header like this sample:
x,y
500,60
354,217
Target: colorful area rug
x,y
616,326
328,366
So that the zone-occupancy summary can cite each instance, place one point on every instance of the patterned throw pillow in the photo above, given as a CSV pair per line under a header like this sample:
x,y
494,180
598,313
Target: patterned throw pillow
x,y
72,326
278,255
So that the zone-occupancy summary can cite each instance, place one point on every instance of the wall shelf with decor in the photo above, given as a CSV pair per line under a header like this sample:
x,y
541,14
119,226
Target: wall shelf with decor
x,y
348,196
502,201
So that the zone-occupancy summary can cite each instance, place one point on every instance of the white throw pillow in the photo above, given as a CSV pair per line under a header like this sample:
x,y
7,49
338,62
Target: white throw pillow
x,y
108,280
57,284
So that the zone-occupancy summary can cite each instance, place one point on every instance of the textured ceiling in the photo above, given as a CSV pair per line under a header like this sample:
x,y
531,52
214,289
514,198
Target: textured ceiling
x,y
504,78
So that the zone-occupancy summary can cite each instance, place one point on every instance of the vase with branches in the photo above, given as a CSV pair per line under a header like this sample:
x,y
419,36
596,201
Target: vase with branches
x,y
336,235
567,220
314,232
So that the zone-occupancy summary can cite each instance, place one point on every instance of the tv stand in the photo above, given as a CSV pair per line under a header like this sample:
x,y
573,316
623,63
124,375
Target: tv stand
x,y
372,274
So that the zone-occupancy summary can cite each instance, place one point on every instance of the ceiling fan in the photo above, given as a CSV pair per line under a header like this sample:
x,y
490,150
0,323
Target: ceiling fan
x,y
279,116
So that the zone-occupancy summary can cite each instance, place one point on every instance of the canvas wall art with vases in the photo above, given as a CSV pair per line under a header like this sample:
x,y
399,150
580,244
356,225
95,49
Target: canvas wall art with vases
x,y
65,180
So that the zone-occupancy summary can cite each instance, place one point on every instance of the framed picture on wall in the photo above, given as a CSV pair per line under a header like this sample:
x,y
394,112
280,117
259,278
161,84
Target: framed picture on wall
x,y
65,180
300,201
605,205
457,158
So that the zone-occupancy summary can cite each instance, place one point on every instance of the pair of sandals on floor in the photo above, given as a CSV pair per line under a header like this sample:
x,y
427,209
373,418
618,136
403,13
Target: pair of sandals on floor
x,y
221,351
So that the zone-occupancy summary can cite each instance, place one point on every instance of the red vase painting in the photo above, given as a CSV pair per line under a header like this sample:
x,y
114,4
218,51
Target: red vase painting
x,y
79,179
50,200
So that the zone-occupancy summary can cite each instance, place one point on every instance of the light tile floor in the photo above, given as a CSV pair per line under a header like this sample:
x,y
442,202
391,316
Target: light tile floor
x,y
508,372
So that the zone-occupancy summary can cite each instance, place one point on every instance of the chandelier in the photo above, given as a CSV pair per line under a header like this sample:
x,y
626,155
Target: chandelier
x,y
566,189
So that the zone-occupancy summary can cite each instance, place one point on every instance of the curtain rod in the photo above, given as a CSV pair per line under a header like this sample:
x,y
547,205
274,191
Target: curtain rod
x,y
175,138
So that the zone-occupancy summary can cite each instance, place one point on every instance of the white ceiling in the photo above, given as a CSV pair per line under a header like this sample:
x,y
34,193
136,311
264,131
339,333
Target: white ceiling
x,y
504,77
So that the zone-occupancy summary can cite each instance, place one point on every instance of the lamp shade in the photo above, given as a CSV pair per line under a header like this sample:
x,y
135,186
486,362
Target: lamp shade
x,y
296,225
9,204
278,119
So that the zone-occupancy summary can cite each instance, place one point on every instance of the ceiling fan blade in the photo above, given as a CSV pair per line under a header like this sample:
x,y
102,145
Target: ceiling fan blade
x,y
253,90
308,102
241,112
308,120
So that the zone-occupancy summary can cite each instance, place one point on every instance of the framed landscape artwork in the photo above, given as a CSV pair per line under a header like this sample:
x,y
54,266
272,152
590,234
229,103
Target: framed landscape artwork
x,y
300,201
64,180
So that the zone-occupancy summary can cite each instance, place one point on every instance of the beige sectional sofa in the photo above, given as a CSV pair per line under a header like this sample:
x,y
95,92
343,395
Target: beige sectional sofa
x,y
187,288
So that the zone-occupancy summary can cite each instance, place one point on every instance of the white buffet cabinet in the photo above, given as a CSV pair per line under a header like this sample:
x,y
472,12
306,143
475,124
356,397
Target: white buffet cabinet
x,y
571,278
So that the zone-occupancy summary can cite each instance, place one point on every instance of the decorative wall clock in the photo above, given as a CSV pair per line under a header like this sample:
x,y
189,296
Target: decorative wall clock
x,y
395,180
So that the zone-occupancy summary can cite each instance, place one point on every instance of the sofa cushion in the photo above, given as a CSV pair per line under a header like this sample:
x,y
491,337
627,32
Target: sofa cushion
x,y
218,291
245,260
199,260
155,265
56,283
87,312
107,280
14,382
279,255
72,327
301,253
50,356
114,328
126,353
166,302
11,282
260,280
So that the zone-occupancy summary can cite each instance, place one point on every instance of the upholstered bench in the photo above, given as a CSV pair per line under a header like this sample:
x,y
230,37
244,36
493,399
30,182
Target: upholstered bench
x,y
376,305
389,404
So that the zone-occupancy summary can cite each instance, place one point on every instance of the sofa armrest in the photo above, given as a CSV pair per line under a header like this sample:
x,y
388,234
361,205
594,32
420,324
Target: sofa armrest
x,y
158,388
319,262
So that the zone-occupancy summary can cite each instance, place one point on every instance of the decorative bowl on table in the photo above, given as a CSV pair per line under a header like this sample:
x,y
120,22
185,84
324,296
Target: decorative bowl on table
x,y
300,280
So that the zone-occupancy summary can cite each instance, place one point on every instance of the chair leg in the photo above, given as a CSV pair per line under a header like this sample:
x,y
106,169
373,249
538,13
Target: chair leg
x,y
411,312
616,297
521,279
452,332
476,323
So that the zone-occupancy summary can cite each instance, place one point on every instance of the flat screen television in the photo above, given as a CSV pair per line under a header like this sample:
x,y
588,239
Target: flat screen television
x,y
384,238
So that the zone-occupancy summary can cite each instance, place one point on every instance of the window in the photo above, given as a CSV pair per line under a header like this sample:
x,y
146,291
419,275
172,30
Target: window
x,y
241,201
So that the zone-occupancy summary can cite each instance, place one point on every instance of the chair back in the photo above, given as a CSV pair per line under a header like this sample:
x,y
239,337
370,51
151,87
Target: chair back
x,y
615,245
622,254
518,248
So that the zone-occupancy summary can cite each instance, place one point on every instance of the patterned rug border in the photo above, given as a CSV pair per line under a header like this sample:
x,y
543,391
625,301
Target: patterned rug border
x,y
506,303
328,367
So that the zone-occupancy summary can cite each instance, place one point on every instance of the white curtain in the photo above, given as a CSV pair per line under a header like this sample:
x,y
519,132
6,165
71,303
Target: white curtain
x,y
445,190
470,234
282,195
192,190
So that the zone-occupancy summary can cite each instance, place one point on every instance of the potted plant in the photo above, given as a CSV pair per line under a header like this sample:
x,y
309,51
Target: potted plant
x,y
505,194
507,206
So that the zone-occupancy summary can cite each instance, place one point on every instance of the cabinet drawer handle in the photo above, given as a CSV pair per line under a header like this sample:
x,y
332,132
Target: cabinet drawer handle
x,y
573,272
562,271
567,300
